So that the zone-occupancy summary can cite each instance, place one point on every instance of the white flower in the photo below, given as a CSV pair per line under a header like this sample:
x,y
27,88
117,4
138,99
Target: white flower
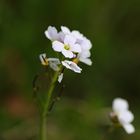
x,y
72,66
52,62
124,116
72,44
60,77
68,48
84,43
52,33
80,38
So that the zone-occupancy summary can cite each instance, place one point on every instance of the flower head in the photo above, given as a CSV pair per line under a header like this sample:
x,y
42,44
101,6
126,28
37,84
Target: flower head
x,y
83,42
124,116
72,45
52,62
68,48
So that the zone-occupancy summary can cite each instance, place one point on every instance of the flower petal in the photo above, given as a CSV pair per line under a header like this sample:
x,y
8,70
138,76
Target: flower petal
x,y
77,34
86,61
54,66
54,60
66,64
65,30
125,117
57,46
53,63
60,77
86,44
51,33
61,36
76,68
67,53
69,40
84,54
129,128
72,66
76,48
120,104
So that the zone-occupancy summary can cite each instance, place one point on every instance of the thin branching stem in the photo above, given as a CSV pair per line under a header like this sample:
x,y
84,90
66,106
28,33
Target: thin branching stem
x,y
43,123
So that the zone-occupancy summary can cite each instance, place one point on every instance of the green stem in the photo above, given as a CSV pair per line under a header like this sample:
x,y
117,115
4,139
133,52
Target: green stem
x,y
43,123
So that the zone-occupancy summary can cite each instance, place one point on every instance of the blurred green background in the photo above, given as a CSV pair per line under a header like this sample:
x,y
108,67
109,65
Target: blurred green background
x,y
113,26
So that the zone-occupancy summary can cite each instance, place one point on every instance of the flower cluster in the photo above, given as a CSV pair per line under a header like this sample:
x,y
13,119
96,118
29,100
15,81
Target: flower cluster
x,y
73,46
122,115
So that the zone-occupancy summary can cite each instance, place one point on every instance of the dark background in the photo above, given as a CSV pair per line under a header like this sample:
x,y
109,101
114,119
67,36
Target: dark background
x,y
113,26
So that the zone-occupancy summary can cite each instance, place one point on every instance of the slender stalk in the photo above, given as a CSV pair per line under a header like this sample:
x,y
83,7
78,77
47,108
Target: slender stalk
x,y
43,123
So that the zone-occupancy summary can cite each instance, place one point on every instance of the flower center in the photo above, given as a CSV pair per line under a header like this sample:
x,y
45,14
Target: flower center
x,y
66,47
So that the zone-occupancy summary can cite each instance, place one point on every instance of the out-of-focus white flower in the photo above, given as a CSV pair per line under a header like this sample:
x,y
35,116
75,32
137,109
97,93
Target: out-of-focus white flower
x,y
52,33
72,66
60,77
124,116
68,48
52,62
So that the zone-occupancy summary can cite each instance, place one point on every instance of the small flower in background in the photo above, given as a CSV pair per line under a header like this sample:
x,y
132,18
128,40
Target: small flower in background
x,y
122,115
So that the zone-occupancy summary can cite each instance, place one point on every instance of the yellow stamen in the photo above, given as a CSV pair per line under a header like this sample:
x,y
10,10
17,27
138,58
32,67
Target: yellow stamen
x,y
67,47
75,60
